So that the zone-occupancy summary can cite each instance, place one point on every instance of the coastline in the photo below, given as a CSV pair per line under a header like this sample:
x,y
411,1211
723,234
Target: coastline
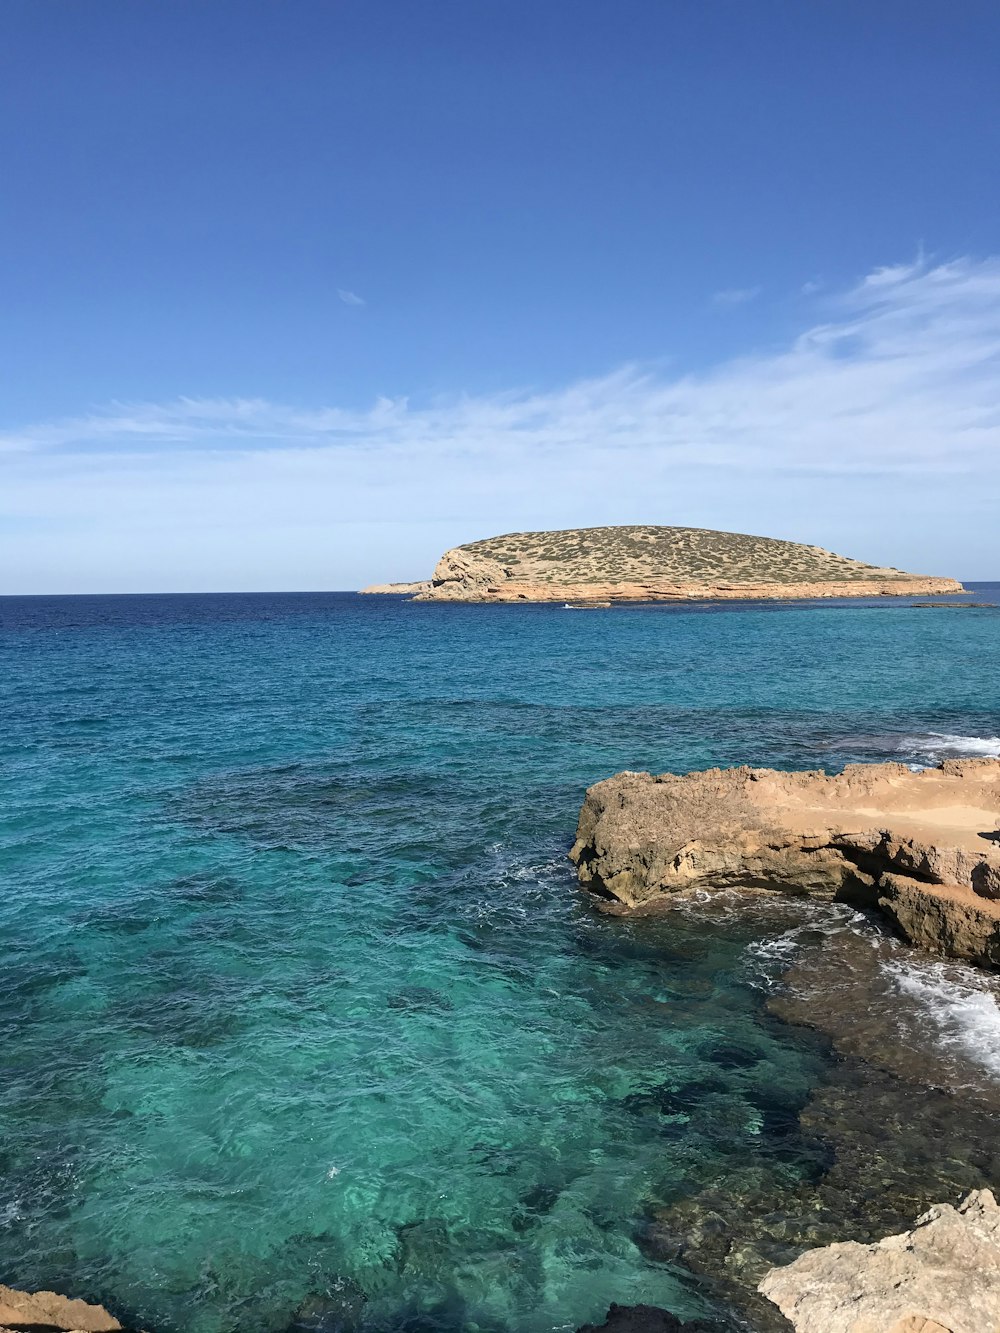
x,y
872,1126
615,1067
623,593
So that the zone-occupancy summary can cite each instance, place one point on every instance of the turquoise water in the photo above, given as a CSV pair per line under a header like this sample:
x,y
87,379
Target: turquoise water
x,y
304,1022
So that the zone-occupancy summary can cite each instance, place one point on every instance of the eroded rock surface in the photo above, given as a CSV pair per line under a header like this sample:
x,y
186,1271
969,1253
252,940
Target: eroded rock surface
x,y
47,1312
397,589
921,847
944,1274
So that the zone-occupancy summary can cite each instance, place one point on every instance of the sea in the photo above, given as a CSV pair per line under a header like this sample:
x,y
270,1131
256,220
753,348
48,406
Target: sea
x,y
304,1021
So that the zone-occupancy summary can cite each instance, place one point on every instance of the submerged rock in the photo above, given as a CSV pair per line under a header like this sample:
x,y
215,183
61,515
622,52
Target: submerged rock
x,y
47,1312
943,1276
920,847
881,1148
645,1319
338,1309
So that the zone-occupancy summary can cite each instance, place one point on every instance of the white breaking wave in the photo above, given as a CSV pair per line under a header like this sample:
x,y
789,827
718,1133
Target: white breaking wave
x,y
962,1006
919,748
944,745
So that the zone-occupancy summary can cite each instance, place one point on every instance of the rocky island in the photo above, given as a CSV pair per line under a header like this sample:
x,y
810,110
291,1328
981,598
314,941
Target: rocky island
x,y
649,563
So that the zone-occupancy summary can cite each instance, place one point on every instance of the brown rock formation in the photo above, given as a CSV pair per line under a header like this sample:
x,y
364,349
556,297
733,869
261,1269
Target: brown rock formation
x,y
399,588
658,564
943,1276
921,847
46,1312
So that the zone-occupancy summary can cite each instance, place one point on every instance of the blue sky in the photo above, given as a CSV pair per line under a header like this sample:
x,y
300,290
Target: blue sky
x,y
295,295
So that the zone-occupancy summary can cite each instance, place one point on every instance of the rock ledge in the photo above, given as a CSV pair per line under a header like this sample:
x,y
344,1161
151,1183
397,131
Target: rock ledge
x,y
47,1312
923,848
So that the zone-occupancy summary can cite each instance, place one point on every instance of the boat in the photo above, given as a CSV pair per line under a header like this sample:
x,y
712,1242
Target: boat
x,y
584,606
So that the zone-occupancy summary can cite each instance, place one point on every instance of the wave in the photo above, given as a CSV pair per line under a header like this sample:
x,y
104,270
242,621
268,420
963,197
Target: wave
x,y
963,1009
845,974
919,748
945,745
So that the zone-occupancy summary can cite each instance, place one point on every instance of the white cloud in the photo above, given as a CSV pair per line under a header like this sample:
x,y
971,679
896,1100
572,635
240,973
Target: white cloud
x,y
350,298
876,432
811,287
736,295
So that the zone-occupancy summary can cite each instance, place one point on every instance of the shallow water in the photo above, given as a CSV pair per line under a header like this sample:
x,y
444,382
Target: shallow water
x,y
299,999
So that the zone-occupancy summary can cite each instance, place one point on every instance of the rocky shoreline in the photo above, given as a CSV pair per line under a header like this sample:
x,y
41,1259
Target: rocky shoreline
x,y
817,1235
47,1312
893,1133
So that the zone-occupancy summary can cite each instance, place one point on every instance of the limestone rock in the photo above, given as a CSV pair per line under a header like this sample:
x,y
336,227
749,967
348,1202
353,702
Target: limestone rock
x,y
397,589
463,577
943,1276
920,847
46,1312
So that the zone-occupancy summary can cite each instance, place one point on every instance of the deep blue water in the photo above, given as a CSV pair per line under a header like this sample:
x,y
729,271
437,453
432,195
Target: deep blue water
x,y
298,998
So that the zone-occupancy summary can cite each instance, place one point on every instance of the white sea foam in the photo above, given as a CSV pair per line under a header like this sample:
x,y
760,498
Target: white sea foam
x,y
921,748
770,957
961,1005
944,745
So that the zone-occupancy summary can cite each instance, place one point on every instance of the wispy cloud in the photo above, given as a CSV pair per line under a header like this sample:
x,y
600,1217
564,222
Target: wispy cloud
x,y
736,295
350,298
877,430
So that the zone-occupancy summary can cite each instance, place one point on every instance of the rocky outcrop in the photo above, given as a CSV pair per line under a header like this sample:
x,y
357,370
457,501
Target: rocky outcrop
x,y
482,585
649,563
399,589
921,847
46,1312
896,1120
463,576
943,1276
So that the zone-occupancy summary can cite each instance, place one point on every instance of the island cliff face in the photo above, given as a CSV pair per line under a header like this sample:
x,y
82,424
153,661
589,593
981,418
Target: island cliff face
x,y
654,564
923,848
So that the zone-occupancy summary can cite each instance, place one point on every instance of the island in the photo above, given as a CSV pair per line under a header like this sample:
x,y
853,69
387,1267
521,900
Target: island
x,y
584,566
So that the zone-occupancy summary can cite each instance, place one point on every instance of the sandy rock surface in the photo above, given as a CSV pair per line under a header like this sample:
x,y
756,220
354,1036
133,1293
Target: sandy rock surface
x,y
943,1276
46,1312
921,847
399,588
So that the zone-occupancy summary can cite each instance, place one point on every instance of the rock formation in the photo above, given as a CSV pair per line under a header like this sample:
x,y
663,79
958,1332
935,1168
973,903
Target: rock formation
x,y
921,847
397,589
655,564
943,1276
45,1312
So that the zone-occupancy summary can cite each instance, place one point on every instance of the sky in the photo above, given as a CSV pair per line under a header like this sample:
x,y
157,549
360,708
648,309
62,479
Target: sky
x,y
296,295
